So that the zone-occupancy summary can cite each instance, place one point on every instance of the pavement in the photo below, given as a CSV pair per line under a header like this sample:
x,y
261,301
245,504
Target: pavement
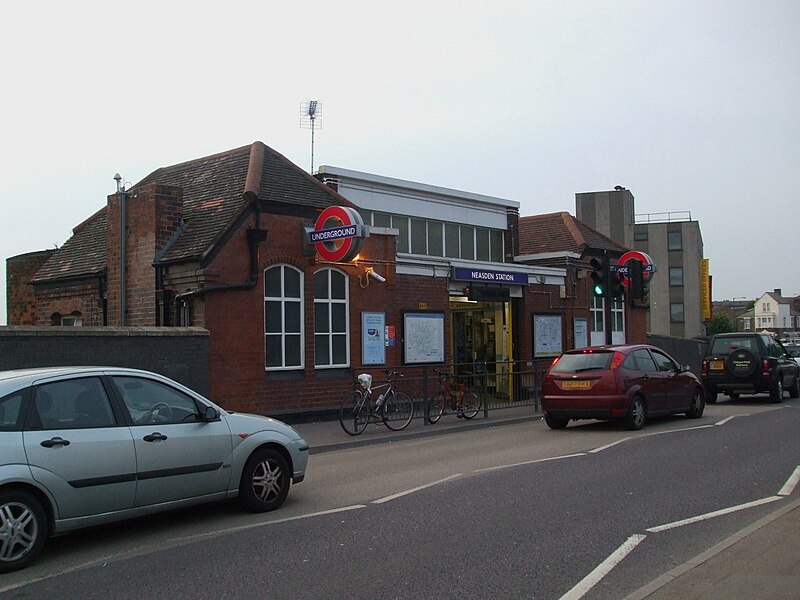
x,y
760,561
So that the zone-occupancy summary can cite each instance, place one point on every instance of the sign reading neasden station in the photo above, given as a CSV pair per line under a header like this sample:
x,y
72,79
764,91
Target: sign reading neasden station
x,y
490,276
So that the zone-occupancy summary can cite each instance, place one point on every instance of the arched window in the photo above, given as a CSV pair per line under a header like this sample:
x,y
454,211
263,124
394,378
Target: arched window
x,y
283,317
331,319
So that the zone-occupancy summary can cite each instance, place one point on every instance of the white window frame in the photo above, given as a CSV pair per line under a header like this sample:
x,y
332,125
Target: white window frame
x,y
284,300
329,335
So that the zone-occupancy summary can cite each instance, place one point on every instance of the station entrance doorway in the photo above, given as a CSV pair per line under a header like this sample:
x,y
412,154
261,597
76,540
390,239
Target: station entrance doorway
x,y
481,342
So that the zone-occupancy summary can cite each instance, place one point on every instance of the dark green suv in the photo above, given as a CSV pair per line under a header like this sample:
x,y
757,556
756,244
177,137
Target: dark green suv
x,y
749,363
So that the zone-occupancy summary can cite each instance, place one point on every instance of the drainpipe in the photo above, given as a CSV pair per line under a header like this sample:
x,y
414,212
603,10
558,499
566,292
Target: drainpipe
x,y
122,246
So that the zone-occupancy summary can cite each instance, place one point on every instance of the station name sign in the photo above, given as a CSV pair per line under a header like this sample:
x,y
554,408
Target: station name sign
x,y
337,235
490,276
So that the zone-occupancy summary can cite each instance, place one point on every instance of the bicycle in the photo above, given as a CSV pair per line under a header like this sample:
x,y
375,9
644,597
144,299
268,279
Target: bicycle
x,y
393,408
458,396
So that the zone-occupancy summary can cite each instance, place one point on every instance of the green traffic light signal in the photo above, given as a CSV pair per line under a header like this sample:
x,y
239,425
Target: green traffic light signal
x,y
599,276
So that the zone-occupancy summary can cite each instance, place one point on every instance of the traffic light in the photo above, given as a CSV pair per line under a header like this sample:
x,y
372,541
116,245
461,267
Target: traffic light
x,y
599,276
617,287
636,279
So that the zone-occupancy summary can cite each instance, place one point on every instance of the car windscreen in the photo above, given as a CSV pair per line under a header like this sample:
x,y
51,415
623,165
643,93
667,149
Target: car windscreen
x,y
583,361
725,345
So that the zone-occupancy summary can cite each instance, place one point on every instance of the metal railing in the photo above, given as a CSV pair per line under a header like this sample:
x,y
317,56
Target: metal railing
x,y
501,385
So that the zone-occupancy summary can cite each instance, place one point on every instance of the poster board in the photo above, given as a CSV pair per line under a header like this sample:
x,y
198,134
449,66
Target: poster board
x,y
373,338
547,336
581,328
423,337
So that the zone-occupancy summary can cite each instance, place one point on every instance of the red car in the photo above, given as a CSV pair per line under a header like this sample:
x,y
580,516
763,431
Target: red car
x,y
625,383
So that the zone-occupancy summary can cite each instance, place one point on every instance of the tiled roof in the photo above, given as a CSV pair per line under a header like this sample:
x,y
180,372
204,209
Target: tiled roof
x,y
215,191
82,255
560,232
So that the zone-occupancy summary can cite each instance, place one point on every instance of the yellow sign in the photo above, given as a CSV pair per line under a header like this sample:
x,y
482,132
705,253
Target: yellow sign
x,y
423,305
705,290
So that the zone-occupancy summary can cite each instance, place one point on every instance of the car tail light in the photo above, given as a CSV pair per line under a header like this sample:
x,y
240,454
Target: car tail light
x,y
617,360
554,363
766,369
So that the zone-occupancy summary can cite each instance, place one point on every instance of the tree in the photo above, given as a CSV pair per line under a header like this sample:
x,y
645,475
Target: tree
x,y
720,323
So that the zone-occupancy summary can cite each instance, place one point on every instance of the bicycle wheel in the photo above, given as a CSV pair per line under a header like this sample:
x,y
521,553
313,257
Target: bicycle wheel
x,y
397,410
470,404
354,413
436,407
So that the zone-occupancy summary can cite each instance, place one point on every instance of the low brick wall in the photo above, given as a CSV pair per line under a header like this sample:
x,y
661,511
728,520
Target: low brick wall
x,y
180,353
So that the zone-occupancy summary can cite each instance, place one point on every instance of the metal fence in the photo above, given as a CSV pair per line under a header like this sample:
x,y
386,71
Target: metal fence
x,y
500,385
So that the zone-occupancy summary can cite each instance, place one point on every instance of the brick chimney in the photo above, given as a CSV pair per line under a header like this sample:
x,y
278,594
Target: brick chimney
x,y
153,214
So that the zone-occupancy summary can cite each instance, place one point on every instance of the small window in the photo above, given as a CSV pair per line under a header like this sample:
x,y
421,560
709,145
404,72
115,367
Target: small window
x,y
676,312
467,242
644,361
381,220
401,224
419,236
664,362
675,240
73,404
676,276
10,407
451,243
150,402
497,246
435,238
640,235
482,244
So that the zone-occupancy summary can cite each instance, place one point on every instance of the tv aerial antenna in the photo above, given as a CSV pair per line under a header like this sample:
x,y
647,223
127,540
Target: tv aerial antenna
x,y
310,117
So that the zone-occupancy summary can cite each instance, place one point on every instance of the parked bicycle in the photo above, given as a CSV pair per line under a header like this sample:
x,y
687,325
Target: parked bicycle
x,y
393,408
456,395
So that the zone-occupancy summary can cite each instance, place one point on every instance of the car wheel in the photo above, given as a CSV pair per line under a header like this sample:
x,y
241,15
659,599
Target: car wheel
x,y
23,530
265,481
697,405
636,415
555,422
776,393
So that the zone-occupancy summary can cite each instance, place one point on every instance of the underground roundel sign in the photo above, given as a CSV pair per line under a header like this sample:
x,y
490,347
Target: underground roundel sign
x,y
648,266
338,233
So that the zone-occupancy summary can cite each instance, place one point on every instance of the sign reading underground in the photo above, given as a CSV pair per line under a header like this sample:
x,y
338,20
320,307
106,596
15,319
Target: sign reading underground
x,y
338,233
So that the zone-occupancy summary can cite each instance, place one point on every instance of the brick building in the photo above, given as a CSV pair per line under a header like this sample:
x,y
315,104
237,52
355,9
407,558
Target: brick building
x,y
224,243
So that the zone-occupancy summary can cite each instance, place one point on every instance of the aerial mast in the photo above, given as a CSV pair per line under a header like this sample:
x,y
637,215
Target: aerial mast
x,y
310,114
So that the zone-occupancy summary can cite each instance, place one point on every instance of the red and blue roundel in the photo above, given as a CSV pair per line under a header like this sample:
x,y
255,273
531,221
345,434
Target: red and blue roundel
x,y
338,233
648,266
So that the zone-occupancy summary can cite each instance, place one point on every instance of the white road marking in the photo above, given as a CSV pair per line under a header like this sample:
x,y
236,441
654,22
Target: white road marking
x,y
607,446
726,419
788,487
416,489
711,515
588,582
172,543
528,462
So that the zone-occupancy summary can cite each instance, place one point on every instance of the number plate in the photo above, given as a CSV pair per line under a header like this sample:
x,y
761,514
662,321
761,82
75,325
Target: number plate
x,y
580,384
717,365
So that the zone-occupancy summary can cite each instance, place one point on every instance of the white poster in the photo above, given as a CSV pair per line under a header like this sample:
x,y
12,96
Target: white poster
x,y
423,337
546,336
581,333
373,338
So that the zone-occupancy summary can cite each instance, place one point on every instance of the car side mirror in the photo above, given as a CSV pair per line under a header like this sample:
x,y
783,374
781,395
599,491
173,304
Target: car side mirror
x,y
684,369
210,414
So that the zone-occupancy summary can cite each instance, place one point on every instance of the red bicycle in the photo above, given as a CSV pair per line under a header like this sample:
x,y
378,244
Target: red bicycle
x,y
455,395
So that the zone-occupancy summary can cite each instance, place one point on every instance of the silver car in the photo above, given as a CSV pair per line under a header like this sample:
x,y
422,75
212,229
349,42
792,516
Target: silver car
x,y
82,446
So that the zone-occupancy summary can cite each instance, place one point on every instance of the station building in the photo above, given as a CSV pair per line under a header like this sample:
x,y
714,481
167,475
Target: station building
x,y
303,281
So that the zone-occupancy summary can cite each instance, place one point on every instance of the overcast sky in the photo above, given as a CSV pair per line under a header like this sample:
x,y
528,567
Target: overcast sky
x,y
692,105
